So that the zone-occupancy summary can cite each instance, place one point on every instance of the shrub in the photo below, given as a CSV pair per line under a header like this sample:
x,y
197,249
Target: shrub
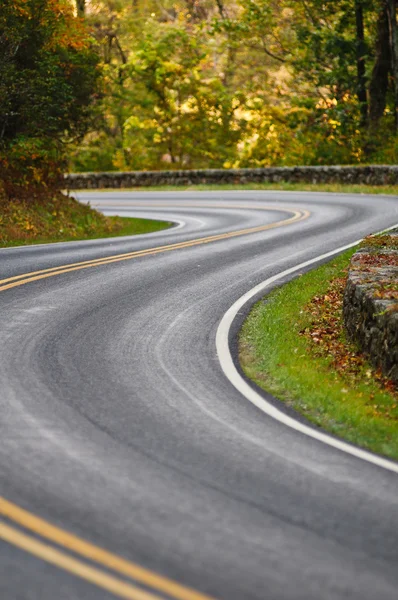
x,y
49,78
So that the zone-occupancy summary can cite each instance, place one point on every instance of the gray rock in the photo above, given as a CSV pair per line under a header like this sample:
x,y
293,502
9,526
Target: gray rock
x,y
371,321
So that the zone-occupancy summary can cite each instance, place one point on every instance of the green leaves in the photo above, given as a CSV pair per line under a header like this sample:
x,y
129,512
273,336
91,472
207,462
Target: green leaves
x,y
240,83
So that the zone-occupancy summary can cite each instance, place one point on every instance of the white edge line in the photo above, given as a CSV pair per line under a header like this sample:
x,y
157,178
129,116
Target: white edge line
x,y
232,374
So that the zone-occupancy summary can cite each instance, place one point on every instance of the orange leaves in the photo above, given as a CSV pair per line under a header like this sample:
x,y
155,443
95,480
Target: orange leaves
x,y
71,32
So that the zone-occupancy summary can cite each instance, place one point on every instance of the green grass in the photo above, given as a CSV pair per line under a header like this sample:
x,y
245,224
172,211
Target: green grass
x,y
60,219
281,361
292,187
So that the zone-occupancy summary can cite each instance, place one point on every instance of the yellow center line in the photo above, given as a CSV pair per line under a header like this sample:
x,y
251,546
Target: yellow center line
x,y
164,248
24,278
91,552
69,541
72,565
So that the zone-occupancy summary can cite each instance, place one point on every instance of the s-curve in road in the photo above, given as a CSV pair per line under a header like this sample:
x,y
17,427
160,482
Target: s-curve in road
x,y
130,465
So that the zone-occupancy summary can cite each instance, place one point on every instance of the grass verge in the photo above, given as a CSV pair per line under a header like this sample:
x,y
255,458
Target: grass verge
x,y
293,345
288,187
61,218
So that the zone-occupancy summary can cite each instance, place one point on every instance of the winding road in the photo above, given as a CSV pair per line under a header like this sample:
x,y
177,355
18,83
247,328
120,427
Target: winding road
x,y
130,466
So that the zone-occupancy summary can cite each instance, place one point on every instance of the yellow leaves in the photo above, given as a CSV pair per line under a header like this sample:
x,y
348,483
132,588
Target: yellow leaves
x,y
326,103
29,227
23,12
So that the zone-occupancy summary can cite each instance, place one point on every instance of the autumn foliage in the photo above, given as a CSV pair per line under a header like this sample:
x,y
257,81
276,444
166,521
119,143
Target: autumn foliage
x,y
48,81
195,84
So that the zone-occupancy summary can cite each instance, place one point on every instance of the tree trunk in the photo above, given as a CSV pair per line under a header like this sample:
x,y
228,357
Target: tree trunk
x,y
221,9
197,10
81,8
361,66
379,79
392,23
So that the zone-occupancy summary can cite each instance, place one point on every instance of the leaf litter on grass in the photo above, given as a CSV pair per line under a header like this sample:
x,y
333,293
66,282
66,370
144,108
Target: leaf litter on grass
x,y
326,338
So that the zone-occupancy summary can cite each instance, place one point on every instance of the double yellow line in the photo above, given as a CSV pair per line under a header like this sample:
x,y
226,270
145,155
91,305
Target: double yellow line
x,y
66,551
18,280
85,554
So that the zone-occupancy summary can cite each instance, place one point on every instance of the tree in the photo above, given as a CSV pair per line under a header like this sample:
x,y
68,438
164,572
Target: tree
x,y
183,113
206,83
48,79
378,85
391,6
81,8
361,51
170,101
332,39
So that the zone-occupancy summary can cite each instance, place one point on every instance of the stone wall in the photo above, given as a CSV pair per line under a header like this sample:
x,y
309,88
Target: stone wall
x,y
370,306
372,175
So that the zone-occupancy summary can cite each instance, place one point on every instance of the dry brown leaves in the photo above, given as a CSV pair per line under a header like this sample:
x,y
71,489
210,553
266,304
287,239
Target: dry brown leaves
x,y
326,338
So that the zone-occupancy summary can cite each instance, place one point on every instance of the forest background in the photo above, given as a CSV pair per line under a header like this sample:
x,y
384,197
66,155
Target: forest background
x,y
100,85
242,83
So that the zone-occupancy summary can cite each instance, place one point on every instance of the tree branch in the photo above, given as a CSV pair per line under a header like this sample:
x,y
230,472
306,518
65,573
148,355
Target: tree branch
x,y
221,8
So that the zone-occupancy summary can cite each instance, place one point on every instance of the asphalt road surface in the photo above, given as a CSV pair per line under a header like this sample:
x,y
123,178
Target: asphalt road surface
x,y
129,465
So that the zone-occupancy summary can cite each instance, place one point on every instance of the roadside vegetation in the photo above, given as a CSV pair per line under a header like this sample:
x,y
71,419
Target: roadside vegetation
x,y
50,84
62,218
293,345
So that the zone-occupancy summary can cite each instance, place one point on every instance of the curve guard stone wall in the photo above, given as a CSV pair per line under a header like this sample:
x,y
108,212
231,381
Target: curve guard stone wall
x,y
370,307
371,175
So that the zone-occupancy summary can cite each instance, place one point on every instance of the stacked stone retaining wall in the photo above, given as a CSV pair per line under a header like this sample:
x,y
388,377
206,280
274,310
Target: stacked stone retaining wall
x,y
370,306
371,175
